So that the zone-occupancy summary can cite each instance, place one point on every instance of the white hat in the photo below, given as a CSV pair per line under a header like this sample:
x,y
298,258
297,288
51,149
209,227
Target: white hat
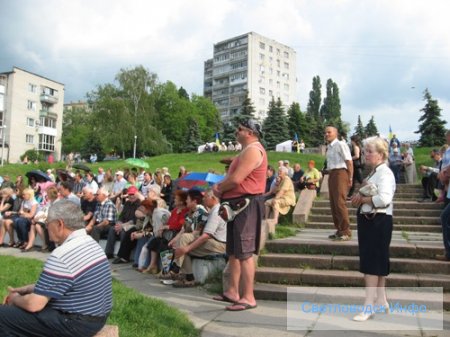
x,y
119,173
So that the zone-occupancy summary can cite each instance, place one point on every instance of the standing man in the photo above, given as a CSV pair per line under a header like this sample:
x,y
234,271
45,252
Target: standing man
x,y
243,188
73,296
340,168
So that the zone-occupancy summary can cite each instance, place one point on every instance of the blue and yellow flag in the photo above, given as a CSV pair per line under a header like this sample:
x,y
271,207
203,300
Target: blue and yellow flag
x,y
390,132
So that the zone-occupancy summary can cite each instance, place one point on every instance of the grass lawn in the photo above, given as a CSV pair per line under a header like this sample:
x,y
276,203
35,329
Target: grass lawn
x,y
135,314
192,161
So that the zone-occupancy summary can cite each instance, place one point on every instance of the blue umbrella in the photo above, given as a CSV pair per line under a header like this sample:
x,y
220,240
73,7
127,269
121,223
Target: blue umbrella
x,y
200,178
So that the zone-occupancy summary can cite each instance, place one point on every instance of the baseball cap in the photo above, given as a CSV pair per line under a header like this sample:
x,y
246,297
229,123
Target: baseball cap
x,y
119,173
132,190
253,125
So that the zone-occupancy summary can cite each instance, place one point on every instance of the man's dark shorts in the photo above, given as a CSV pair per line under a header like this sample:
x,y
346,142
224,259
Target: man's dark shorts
x,y
244,232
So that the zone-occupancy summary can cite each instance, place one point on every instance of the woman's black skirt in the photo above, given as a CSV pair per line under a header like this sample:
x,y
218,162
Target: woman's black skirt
x,y
374,238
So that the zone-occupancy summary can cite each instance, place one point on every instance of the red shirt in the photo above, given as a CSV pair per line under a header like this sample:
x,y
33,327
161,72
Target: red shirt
x,y
176,220
255,182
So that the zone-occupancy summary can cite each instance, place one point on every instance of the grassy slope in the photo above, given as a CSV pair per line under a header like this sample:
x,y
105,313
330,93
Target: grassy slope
x,y
192,161
135,314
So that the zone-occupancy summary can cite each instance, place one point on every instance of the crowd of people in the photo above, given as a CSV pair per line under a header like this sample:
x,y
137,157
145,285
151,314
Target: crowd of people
x,y
151,214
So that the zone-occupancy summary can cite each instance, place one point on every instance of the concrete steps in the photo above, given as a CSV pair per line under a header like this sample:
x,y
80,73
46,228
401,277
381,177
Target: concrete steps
x,y
403,212
345,278
311,259
328,261
278,292
397,219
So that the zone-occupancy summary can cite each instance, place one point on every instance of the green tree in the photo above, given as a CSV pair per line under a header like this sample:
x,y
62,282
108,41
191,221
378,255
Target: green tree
x,y
246,112
77,124
315,98
359,129
431,127
275,125
192,140
207,116
296,121
371,128
228,134
331,108
172,114
183,93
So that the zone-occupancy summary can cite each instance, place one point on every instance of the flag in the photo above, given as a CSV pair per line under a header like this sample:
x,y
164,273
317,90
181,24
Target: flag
x,y
390,132
217,139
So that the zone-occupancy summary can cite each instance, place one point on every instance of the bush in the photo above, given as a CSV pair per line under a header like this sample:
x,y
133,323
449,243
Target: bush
x,y
32,155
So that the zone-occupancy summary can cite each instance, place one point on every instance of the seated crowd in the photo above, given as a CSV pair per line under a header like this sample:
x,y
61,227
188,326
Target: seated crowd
x,y
145,212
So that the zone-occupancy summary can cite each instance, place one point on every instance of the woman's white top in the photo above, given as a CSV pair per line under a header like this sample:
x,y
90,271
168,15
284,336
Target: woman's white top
x,y
383,178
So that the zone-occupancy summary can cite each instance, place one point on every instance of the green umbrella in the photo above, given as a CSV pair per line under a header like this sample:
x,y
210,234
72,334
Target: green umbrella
x,y
137,162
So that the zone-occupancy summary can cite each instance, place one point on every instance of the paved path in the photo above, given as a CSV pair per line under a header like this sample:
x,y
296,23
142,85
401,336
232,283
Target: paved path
x,y
269,319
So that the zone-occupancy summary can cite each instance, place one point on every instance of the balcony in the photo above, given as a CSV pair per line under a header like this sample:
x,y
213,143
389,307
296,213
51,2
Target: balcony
x,y
49,99
48,114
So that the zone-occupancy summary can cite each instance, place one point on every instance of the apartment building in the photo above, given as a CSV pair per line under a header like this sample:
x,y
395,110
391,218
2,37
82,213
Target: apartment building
x,y
31,111
254,63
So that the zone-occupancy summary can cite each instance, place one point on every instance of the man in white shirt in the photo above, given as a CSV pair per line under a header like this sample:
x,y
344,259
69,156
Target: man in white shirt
x,y
211,241
340,168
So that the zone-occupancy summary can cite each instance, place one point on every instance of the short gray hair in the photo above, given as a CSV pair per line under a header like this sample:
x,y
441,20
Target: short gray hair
x,y
67,211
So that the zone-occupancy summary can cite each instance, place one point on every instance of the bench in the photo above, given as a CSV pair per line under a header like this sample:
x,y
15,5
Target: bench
x,y
108,331
205,266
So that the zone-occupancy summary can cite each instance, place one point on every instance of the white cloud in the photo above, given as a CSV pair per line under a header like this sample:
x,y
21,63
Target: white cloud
x,y
376,50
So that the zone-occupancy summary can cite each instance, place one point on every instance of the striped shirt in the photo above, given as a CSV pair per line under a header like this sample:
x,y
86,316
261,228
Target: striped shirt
x,y
77,277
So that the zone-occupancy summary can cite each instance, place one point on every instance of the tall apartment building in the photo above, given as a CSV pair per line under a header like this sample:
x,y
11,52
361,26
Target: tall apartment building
x,y
254,63
31,111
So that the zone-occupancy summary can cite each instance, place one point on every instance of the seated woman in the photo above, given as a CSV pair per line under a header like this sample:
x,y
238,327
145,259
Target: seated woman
x,y
284,196
38,222
26,214
312,176
166,232
6,204
11,214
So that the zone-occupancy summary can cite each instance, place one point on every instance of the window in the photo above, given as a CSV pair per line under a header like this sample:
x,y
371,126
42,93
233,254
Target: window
x,y
46,142
286,54
278,63
286,65
286,86
261,69
278,51
278,73
278,84
30,121
261,79
32,87
270,93
48,122
270,70
262,45
49,91
262,91
261,57
31,106
286,76
29,139
270,48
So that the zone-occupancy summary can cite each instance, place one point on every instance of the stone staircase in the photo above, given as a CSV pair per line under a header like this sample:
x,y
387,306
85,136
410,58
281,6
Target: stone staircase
x,y
311,259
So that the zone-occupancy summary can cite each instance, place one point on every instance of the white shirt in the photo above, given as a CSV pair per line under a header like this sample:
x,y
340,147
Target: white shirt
x,y
216,226
93,185
338,153
384,180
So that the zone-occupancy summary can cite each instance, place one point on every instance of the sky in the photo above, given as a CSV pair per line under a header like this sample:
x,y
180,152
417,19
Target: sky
x,y
382,53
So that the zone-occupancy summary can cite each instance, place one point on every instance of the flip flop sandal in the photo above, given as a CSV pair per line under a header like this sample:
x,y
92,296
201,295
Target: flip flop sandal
x,y
223,298
240,307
